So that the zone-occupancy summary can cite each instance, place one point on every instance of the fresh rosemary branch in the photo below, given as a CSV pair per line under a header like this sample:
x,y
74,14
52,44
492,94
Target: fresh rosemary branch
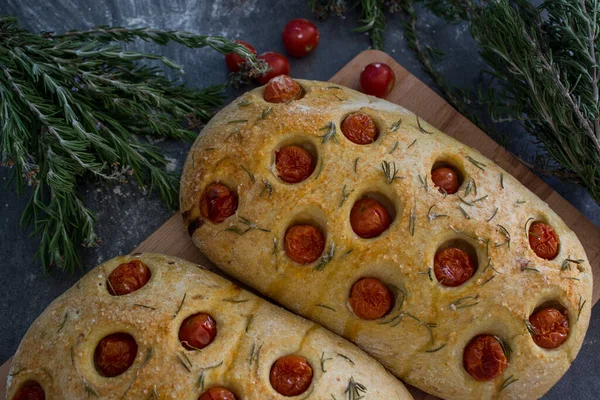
x,y
74,107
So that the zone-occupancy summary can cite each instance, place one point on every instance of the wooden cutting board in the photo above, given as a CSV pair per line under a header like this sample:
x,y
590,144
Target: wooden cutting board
x,y
172,238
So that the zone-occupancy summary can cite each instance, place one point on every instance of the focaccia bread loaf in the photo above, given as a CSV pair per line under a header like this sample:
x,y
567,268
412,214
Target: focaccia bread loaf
x,y
242,355
354,213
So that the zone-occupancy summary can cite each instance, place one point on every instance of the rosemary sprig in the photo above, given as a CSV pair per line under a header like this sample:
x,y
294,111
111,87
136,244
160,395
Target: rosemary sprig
x,y
505,346
325,258
431,215
464,302
566,263
390,171
200,381
506,234
509,381
250,227
330,134
355,390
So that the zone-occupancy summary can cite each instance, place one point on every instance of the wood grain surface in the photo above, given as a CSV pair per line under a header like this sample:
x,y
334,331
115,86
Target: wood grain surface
x,y
171,238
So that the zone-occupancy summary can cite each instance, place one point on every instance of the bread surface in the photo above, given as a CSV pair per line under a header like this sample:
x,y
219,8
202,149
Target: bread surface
x,y
422,339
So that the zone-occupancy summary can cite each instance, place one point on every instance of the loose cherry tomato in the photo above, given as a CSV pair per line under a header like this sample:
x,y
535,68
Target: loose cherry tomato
x,y
370,298
300,37
543,240
197,331
377,79
369,218
115,354
217,393
304,243
30,391
445,179
359,128
128,277
453,267
551,327
291,375
282,89
279,65
218,202
233,60
294,164
484,358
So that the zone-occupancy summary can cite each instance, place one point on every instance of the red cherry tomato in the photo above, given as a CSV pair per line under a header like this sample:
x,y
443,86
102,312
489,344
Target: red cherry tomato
x,y
304,243
197,331
115,354
484,358
369,218
233,60
282,89
370,298
445,179
543,240
218,203
377,79
217,393
279,65
128,277
291,375
551,327
359,128
294,164
300,37
453,267
30,391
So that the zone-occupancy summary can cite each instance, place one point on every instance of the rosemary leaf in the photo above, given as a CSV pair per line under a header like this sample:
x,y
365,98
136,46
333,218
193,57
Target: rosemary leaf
x,y
493,215
180,305
394,147
464,212
356,164
267,187
344,196
390,171
396,125
476,163
330,134
250,174
421,128
411,145
325,259
323,361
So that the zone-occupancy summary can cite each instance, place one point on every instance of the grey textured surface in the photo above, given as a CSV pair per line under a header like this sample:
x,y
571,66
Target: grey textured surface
x,y
127,216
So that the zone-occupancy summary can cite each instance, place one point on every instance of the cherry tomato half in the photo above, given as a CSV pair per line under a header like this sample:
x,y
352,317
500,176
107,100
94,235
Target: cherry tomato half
x,y
218,202
300,37
294,164
445,179
370,298
128,277
282,89
30,391
279,65
359,128
304,243
233,60
291,375
369,218
377,79
217,393
484,358
551,327
453,266
115,354
543,240
197,331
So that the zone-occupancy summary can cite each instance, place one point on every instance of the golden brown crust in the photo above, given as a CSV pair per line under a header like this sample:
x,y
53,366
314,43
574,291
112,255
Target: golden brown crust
x,y
57,351
237,147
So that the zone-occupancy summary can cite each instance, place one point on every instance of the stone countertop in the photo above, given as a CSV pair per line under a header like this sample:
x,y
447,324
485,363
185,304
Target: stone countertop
x,y
126,216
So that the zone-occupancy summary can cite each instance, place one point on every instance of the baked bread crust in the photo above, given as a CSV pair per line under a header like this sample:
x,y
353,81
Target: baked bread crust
x,y
237,148
58,349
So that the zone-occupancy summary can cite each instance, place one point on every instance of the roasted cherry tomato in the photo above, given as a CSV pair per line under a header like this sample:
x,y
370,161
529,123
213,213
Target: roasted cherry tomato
x,y
217,393
128,277
484,358
197,331
445,179
453,266
218,202
282,89
304,243
543,240
377,79
359,128
370,298
300,37
30,391
291,375
233,60
278,64
369,218
115,354
551,327
294,164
